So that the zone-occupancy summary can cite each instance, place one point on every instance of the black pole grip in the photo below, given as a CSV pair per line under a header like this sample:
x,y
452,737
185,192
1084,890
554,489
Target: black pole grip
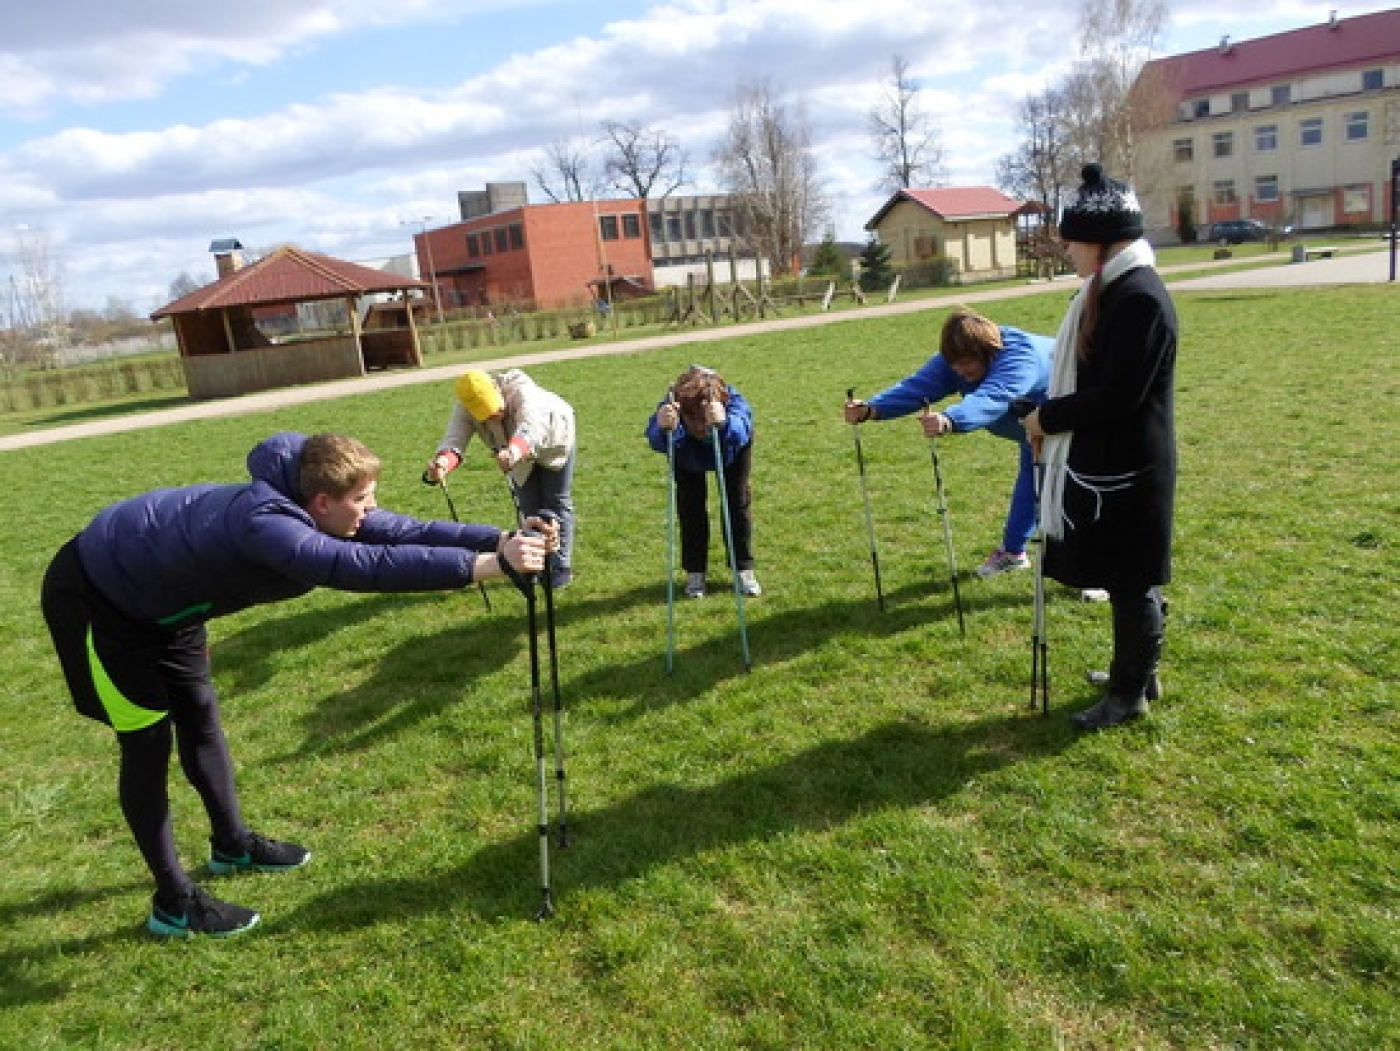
x,y
1022,407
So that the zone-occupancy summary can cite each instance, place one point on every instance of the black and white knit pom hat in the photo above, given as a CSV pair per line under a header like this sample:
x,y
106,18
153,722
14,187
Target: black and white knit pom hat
x,y
1103,211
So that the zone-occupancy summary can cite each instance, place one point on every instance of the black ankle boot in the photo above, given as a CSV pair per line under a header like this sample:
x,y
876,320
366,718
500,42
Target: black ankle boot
x,y
1152,693
1113,710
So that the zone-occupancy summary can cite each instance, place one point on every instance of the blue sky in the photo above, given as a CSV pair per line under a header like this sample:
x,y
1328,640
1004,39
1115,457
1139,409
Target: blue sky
x,y
134,133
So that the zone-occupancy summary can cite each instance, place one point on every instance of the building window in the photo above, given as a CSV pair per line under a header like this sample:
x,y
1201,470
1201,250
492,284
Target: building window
x,y
658,227
631,227
1239,102
1223,143
1266,188
1224,191
1183,150
1372,80
1310,131
502,240
1358,126
673,227
1266,138
517,236
1279,95
473,246
607,227
485,242
690,226
1200,109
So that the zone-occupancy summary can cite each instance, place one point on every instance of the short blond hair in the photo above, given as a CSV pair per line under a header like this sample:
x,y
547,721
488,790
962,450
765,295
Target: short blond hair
x,y
968,336
335,464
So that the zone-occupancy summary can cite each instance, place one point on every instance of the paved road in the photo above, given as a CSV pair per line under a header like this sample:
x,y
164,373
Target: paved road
x,y
1365,266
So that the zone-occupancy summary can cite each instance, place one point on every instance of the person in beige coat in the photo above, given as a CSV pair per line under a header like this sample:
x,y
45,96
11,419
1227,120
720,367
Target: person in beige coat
x,y
529,432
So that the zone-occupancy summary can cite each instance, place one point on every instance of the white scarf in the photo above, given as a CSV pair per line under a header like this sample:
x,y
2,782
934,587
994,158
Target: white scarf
x,y
1064,375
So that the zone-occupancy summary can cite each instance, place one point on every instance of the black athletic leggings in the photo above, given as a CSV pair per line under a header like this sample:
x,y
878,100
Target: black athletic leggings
x,y
132,674
692,488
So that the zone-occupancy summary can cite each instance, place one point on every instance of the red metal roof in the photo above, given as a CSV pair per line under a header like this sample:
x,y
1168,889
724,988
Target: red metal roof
x,y
1344,44
289,275
954,203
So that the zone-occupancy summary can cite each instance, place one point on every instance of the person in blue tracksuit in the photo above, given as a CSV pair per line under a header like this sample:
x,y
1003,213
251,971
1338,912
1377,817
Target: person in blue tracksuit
x,y
126,602
990,365
697,404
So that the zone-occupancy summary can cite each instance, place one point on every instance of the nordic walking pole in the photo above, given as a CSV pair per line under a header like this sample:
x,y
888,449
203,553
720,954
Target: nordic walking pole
x,y
729,544
947,529
670,540
869,518
541,779
1040,646
559,776
452,510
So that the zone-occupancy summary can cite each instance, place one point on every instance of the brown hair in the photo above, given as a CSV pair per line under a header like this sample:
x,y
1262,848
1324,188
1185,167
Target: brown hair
x,y
334,464
692,389
968,336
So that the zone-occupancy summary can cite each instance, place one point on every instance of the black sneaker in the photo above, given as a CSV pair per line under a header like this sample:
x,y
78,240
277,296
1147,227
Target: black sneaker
x,y
259,854
199,913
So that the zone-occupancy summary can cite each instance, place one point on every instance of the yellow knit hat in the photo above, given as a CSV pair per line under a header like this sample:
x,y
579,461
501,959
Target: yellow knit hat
x,y
479,394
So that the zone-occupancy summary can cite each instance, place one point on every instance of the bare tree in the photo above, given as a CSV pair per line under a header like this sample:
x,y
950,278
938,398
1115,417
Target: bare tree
x,y
184,285
1116,38
643,162
36,298
564,172
907,144
1044,166
765,161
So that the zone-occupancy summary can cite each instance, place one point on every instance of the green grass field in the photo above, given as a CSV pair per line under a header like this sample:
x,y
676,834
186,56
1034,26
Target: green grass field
x,y
868,841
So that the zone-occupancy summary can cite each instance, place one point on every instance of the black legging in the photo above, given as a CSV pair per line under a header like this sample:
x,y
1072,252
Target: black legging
x,y
692,489
1139,621
142,782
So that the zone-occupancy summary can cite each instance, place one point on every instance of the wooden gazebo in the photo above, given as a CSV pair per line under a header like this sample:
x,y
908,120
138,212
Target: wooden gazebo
x,y
224,352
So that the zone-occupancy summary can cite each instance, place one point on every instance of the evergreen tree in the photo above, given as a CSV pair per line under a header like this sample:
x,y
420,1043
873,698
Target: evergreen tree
x,y
875,271
827,260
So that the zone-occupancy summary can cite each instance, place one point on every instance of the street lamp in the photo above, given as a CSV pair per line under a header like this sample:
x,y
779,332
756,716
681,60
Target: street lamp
x,y
422,224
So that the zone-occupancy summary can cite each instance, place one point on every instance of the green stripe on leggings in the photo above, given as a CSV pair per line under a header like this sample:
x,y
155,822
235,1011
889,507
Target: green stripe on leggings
x,y
123,715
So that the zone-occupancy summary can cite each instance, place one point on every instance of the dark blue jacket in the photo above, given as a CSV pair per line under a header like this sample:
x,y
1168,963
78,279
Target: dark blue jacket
x,y
698,454
175,557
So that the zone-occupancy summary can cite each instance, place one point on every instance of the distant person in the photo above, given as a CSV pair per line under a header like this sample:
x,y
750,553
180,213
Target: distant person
x,y
700,404
990,366
127,599
1109,440
529,432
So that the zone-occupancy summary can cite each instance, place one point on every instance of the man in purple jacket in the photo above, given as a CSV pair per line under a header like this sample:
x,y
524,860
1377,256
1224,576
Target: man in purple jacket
x,y
127,599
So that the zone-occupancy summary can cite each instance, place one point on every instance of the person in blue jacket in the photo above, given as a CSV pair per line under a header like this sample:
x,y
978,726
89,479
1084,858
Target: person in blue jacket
x,y
990,365
698,402
126,602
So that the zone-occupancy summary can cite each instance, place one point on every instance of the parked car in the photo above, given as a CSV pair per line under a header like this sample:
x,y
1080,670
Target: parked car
x,y
1238,231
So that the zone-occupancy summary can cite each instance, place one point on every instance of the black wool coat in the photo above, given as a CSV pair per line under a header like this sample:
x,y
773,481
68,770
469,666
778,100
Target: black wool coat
x,y
1121,413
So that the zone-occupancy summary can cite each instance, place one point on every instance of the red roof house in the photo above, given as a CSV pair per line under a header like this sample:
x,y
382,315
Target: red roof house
x,y
975,226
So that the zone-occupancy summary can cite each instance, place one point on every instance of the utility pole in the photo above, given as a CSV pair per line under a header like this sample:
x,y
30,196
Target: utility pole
x,y
422,224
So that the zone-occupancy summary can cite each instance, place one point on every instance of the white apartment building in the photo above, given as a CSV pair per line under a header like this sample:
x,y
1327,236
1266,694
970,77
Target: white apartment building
x,y
1297,129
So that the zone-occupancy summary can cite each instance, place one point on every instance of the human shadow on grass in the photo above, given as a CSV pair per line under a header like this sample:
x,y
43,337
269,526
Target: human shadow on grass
x,y
21,966
774,639
894,765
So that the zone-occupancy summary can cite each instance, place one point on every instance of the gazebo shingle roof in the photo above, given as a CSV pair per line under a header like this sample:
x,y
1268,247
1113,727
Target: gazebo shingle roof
x,y
288,275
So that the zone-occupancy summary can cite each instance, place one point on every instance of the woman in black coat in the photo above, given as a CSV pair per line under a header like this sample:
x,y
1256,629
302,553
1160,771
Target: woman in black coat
x,y
1108,439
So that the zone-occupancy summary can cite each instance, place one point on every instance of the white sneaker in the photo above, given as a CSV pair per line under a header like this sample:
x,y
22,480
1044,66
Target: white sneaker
x,y
748,584
695,585
999,562
1093,595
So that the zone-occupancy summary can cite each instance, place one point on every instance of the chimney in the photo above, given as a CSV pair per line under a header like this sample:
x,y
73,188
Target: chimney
x,y
228,255
1225,47
1332,22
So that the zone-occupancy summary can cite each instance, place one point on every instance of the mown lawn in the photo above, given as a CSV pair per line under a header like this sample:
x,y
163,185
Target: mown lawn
x,y
868,841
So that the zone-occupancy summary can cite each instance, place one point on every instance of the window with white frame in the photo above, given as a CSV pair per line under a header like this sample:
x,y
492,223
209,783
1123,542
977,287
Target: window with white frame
x,y
1224,191
1358,126
1356,200
1310,131
1183,150
1266,188
1266,138
1222,143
